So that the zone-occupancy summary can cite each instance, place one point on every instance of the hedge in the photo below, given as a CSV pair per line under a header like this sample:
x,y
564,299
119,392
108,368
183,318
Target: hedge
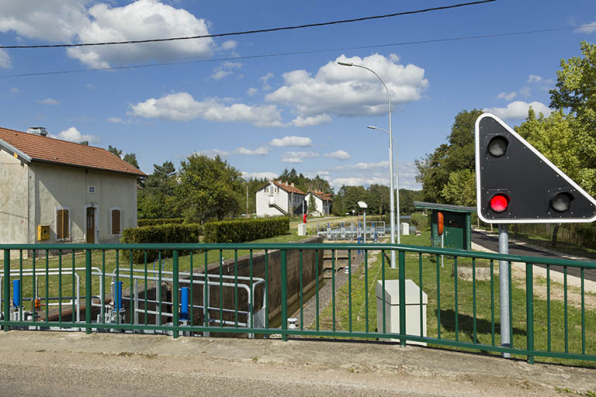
x,y
170,233
162,221
246,230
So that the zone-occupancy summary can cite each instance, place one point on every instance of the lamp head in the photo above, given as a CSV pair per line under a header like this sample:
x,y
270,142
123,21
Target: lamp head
x,y
345,64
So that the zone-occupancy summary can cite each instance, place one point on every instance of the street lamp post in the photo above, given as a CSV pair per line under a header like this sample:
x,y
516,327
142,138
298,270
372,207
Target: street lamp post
x,y
391,196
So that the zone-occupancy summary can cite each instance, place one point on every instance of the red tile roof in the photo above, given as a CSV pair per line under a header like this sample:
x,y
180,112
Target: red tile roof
x,y
287,187
323,196
50,150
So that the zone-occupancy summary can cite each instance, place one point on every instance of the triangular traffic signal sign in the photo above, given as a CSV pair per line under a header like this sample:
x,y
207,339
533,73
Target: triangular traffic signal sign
x,y
515,183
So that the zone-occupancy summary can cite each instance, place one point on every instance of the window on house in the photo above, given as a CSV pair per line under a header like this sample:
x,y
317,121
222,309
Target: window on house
x,y
116,217
62,224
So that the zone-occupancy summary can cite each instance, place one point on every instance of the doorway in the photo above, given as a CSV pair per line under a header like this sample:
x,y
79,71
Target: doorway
x,y
90,225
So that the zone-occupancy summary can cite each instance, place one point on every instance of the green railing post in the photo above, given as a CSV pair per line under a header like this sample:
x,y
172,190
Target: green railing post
x,y
402,296
175,310
284,294
88,308
530,309
6,289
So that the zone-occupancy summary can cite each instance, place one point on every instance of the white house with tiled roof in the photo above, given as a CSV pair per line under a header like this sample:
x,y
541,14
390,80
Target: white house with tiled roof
x,y
276,198
322,203
58,191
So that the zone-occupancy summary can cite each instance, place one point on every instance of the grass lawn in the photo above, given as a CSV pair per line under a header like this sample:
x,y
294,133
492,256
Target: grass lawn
x,y
445,324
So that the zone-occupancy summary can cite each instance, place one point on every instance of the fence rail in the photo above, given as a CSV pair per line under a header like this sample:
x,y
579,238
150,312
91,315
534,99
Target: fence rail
x,y
255,289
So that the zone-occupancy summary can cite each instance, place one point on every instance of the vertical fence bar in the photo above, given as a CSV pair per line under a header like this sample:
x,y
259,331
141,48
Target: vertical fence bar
x,y
402,296
510,308
438,297
333,288
583,313
530,310
7,289
566,311
548,330
132,292
284,295
252,295
366,289
88,308
350,290
73,288
34,288
383,282
301,293
21,307
146,289
221,319
236,287
492,302
59,286
48,287
175,291
316,287
420,296
158,293
267,288
192,277
118,288
474,299
206,291
455,277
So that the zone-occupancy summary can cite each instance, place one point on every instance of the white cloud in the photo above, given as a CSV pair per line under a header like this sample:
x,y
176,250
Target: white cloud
x,y
259,175
350,91
116,120
358,181
4,60
214,152
183,107
364,174
525,92
293,160
339,155
311,121
74,135
586,28
381,165
90,86
298,157
261,151
252,91
14,90
507,96
298,141
264,79
519,110
48,101
229,45
143,19
225,69
534,79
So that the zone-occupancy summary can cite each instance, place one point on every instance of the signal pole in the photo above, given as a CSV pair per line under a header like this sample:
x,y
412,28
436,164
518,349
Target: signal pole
x,y
504,288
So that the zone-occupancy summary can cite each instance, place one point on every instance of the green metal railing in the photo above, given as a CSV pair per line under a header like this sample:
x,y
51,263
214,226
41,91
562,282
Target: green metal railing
x,y
253,289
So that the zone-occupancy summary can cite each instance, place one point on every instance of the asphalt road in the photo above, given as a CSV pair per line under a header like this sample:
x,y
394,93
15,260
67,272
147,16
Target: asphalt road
x,y
492,243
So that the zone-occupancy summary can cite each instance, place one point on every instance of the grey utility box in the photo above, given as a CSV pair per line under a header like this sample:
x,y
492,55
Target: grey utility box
x,y
392,309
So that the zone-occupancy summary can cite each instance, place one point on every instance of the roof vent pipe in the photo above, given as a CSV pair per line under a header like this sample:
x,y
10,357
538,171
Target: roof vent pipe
x,y
38,131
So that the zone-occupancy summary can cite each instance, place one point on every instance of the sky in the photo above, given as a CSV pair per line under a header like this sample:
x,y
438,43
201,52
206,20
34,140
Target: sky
x,y
277,100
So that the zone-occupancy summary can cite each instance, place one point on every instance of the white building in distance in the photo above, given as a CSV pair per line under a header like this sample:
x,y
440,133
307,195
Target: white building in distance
x,y
280,199
322,203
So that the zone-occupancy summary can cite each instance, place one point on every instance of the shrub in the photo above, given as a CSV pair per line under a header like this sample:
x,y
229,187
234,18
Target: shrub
x,y
170,233
420,220
246,230
162,221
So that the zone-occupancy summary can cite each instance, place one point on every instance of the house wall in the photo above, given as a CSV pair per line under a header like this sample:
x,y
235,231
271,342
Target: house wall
x,y
280,198
52,186
321,207
296,204
14,209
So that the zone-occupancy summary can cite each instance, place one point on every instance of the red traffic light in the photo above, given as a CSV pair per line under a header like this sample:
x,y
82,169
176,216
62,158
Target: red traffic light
x,y
499,202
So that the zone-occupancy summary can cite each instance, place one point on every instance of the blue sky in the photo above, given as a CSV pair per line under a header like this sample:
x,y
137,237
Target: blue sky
x,y
266,114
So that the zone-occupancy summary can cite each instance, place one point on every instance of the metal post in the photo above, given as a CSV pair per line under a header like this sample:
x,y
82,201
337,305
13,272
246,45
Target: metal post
x,y
284,294
402,297
364,228
88,308
6,289
504,288
175,311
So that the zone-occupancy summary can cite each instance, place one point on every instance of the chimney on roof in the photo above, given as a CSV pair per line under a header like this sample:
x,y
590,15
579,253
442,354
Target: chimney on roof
x,y
41,131
292,184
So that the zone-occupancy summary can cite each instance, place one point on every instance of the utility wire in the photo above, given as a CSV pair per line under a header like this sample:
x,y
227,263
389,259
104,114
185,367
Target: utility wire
x,y
281,54
247,32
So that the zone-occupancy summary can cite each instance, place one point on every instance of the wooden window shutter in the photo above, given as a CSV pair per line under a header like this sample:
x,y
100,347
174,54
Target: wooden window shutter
x,y
62,224
115,221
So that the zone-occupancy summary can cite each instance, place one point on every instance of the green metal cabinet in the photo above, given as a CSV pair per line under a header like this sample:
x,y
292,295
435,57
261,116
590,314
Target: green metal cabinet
x,y
457,222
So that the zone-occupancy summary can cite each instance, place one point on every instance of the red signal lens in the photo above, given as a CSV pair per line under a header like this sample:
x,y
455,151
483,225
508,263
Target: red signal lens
x,y
499,202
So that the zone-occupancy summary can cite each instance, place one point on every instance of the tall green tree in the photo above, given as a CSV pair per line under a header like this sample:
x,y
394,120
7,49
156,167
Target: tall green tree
x,y
156,199
208,188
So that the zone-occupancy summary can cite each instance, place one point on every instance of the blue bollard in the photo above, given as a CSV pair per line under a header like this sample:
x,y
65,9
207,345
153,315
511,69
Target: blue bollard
x,y
184,298
119,305
16,292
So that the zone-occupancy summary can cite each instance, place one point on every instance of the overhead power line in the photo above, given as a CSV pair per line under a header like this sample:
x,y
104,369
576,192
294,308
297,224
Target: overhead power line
x,y
281,54
247,32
